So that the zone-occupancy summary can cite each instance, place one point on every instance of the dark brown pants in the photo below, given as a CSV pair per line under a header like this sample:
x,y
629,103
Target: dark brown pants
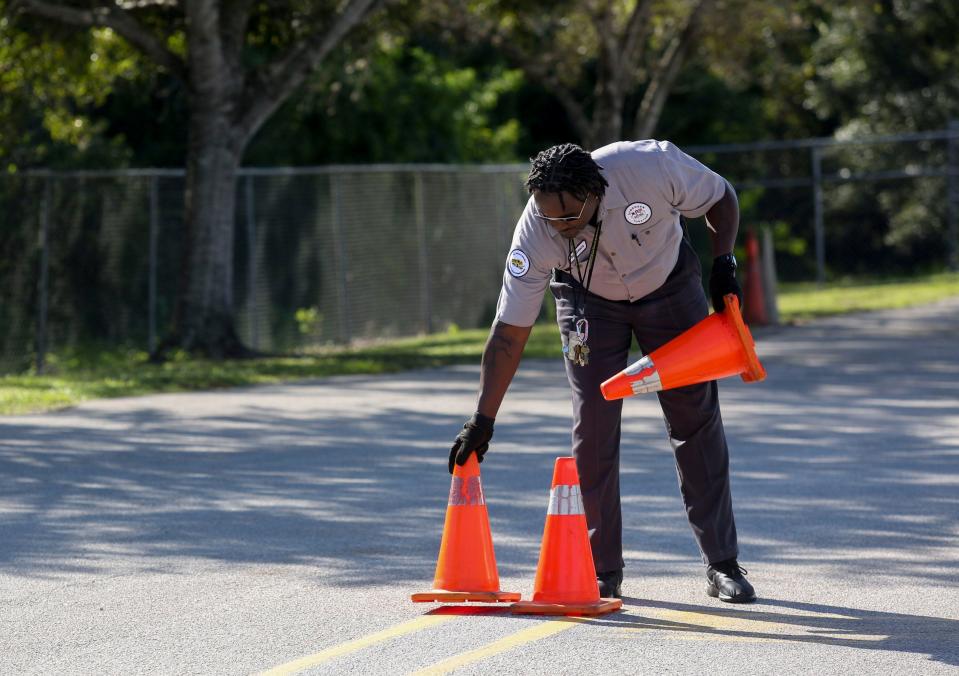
x,y
692,415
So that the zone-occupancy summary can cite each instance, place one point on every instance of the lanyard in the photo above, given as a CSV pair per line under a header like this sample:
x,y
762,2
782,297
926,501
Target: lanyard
x,y
590,266
575,347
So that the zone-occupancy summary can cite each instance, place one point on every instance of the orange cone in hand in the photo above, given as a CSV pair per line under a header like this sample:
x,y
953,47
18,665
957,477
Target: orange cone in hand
x,y
466,569
566,578
716,347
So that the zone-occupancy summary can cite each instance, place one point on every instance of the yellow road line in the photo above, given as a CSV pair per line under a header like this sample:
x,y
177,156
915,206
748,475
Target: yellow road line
x,y
534,633
687,625
358,644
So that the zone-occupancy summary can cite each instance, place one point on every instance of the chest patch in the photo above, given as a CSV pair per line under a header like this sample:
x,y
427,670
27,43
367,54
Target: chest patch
x,y
517,263
638,213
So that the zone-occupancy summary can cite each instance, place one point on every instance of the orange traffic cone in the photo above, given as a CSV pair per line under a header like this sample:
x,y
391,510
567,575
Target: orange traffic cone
x,y
566,579
466,569
716,347
754,299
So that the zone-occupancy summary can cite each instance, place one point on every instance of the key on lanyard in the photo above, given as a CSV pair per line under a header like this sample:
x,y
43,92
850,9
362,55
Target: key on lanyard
x,y
576,349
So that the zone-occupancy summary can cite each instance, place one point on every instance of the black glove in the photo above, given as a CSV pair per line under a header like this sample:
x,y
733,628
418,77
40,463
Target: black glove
x,y
722,280
475,436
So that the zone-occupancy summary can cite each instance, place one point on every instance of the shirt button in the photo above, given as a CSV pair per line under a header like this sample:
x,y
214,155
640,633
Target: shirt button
x,y
612,253
623,275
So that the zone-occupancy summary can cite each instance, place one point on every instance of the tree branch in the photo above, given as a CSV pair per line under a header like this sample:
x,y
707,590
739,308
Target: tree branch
x,y
234,20
609,57
271,86
109,16
143,4
612,76
636,29
609,41
667,69
545,74
478,29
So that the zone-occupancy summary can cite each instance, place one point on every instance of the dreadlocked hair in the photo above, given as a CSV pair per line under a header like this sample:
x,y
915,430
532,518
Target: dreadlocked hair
x,y
566,168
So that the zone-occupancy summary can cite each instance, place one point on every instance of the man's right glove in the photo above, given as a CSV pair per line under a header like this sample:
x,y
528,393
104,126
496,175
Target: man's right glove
x,y
475,436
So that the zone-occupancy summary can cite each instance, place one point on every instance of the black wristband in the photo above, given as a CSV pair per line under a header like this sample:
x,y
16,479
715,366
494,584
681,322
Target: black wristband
x,y
482,421
725,261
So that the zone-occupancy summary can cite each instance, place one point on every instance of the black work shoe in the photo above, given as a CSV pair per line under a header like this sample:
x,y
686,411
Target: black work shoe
x,y
725,581
610,584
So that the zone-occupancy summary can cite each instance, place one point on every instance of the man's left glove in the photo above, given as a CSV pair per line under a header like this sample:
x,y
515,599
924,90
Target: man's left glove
x,y
475,436
722,280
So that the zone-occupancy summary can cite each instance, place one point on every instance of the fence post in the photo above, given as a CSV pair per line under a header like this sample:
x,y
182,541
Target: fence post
x,y
952,191
768,259
502,205
343,292
152,282
818,228
426,299
251,268
42,291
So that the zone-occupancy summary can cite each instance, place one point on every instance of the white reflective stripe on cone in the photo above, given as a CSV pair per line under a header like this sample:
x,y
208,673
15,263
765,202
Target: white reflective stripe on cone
x,y
565,500
648,381
466,492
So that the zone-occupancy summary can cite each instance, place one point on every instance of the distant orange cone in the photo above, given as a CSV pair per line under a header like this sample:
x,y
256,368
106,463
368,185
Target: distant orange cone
x,y
466,569
717,347
754,299
566,578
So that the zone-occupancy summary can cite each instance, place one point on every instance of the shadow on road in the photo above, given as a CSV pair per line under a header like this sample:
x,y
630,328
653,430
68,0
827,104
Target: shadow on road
x,y
847,455
936,637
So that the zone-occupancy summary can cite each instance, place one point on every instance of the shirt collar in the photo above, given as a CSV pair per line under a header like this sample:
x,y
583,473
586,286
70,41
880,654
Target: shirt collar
x,y
614,198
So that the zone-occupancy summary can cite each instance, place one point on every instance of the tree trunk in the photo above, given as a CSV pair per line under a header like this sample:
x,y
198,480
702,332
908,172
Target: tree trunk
x,y
608,118
204,317
612,77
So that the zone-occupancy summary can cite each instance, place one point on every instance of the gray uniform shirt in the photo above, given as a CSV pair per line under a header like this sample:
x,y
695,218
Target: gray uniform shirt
x,y
651,183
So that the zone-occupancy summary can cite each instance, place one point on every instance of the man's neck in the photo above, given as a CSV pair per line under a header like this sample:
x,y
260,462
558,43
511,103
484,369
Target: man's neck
x,y
594,219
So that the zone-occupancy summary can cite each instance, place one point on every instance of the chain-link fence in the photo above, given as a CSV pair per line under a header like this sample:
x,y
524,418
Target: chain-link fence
x,y
91,259
339,254
874,206
342,254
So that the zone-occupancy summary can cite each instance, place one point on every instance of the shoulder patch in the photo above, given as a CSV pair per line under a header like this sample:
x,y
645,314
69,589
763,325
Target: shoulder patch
x,y
638,213
517,263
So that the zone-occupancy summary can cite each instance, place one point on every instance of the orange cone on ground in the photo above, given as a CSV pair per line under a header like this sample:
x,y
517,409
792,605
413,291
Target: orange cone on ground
x,y
717,347
466,568
566,578
754,299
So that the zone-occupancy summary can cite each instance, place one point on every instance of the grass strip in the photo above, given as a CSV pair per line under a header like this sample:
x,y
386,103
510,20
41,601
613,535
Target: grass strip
x,y
93,374
804,301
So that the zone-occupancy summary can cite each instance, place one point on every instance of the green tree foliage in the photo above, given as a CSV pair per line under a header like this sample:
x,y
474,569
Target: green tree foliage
x,y
54,82
608,65
748,79
887,67
399,102
410,88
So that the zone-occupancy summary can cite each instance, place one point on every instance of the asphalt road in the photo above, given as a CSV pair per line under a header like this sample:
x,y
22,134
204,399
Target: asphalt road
x,y
284,527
